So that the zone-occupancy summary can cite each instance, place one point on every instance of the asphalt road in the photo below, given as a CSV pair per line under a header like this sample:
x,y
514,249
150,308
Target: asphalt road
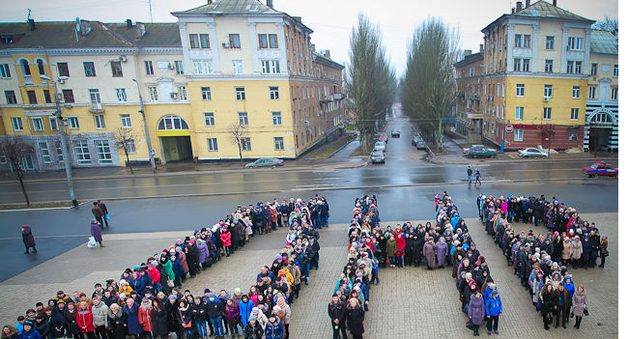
x,y
403,186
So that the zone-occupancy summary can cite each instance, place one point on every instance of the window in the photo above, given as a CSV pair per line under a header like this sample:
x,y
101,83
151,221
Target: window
x,y
246,144
121,94
616,70
26,68
592,90
518,134
262,40
575,92
548,91
521,90
274,92
574,113
570,66
234,40
240,94
270,66
81,152
62,68
172,122
573,135
45,151
518,113
32,97
526,41
549,42
103,151
614,93
243,118
73,122
94,97
53,123
17,124
148,65
549,66
237,67
68,96
152,93
41,67
204,40
279,144
116,68
212,144
272,41
38,124
125,120
90,69
209,119
183,92
202,66
178,66
206,93
526,65
11,98
194,41
276,118
130,145
594,69
517,65
5,72
547,113
99,121
517,40
59,151
47,96
578,67
575,44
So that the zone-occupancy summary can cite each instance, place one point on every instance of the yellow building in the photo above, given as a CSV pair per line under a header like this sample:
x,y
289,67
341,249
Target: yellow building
x,y
536,67
224,64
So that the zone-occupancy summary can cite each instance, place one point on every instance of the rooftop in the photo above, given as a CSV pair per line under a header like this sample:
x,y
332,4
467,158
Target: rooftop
x,y
603,42
543,10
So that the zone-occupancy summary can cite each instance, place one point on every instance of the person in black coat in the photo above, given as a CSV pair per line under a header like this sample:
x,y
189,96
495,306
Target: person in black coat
x,y
549,306
172,310
355,318
159,318
336,311
28,238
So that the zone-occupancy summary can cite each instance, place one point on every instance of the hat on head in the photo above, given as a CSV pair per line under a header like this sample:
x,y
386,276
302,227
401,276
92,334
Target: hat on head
x,y
207,290
172,297
494,292
277,308
255,310
237,290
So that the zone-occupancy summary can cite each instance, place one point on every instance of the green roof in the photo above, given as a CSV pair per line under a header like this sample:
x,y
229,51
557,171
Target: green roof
x,y
62,34
231,7
547,10
603,42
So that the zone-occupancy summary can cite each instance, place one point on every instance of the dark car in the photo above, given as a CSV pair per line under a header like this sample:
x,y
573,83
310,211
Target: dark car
x,y
265,162
395,133
378,157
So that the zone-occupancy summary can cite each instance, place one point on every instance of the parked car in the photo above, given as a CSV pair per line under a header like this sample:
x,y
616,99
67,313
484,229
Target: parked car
x,y
601,168
395,133
380,146
383,137
378,157
532,152
265,162
415,139
479,151
421,144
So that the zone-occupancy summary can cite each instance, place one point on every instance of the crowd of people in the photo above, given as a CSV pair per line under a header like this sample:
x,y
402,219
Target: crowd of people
x,y
148,300
541,259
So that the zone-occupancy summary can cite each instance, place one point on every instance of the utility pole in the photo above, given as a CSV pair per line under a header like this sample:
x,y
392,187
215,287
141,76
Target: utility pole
x,y
151,151
64,143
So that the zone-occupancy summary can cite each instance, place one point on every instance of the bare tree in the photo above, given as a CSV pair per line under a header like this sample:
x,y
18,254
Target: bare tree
x,y
428,86
238,132
370,80
14,148
124,139
608,24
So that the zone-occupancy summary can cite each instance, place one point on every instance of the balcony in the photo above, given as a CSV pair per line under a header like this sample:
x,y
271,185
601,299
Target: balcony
x,y
28,80
338,96
96,108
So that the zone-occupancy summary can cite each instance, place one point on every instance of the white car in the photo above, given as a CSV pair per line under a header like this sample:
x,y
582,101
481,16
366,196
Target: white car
x,y
532,152
380,146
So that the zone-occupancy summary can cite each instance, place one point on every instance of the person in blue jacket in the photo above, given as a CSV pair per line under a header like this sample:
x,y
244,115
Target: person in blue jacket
x,y
493,312
29,331
274,328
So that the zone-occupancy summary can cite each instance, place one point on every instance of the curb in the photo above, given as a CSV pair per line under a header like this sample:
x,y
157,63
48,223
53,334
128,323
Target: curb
x,y
44,208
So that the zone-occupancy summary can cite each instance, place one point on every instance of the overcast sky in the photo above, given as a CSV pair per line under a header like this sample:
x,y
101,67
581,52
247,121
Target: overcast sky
x,y
331,20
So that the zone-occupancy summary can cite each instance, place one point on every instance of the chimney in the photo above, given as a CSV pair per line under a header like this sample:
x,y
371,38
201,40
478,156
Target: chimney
x,y
519,5
129,23
554,3
512,10
31,24
527,3
209,2
481,48
467,52
327,54
269,3
141,30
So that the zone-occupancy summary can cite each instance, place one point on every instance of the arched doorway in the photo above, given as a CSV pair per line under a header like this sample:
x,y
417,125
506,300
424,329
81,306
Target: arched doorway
x,y
174,137
600,127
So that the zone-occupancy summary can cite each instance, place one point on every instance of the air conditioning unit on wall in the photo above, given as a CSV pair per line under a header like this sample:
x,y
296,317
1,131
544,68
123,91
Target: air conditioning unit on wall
x,y
174,95
546,99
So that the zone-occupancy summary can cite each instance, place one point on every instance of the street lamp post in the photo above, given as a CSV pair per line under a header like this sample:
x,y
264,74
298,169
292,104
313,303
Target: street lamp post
x,y
151,153
64,143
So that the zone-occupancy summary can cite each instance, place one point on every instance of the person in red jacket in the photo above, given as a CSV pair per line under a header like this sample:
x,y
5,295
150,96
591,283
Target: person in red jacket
x,y
225,238
155,276
85,320
144,315
401,247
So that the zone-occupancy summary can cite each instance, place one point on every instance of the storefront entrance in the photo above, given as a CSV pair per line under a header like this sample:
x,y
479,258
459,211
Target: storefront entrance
x,y
176,148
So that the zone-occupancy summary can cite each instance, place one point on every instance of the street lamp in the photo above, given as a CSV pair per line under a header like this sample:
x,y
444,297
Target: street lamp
x,y
151,152
64,143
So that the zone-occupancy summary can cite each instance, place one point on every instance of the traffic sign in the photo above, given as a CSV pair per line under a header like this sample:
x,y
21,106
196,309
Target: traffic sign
x,y
509,128
152,153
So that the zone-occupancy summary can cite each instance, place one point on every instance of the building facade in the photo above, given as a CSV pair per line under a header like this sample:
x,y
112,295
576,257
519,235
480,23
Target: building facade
x,y
537,64
469,117
226,65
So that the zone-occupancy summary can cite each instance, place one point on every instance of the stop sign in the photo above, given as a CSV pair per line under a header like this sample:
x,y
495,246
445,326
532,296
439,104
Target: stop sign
x,y
509,128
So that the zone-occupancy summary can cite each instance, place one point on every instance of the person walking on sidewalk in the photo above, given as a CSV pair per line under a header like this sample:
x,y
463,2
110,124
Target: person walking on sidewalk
x,y
477,177
105,212
469,174
28,239
98,214
95,229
